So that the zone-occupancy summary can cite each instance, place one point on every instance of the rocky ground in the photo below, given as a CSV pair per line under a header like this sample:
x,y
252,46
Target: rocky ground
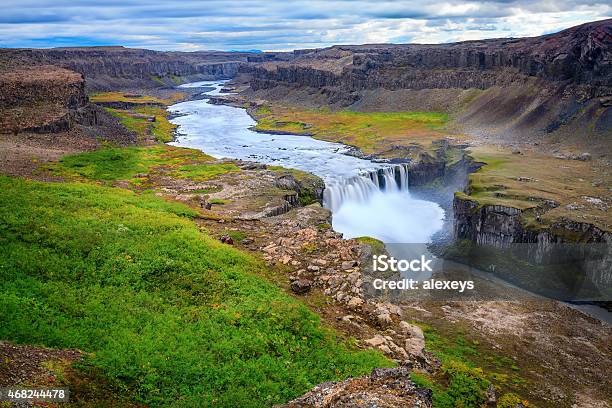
x,y
549,344
531,348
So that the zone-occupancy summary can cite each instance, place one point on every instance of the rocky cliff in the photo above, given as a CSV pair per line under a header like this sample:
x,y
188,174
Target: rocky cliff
x,y
43,99
523,86
500,226
581,55
115,67
567,260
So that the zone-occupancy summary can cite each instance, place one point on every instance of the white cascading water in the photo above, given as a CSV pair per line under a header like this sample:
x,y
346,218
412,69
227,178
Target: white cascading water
x,y
363,187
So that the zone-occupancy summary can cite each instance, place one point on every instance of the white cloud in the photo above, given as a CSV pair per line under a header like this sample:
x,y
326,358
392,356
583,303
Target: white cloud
x,y
282,25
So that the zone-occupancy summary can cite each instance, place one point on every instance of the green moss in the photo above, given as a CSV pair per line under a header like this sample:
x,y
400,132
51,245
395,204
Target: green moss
x,y
123,163
237,236
160,129
263,110
201,172
377,245
158,79
169,316
372,132
511,400
116,96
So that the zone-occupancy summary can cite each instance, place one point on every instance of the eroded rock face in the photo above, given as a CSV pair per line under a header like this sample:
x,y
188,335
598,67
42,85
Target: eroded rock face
x,y
43,99
580,54
561,80
383,388
499,226
115,67
493,227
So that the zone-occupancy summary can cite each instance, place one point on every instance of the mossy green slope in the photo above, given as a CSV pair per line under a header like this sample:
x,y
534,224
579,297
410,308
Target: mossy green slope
x,y
170,316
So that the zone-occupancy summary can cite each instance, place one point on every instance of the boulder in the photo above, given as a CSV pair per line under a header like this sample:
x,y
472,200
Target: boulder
x,y
415,340
226,239
376,341
301,286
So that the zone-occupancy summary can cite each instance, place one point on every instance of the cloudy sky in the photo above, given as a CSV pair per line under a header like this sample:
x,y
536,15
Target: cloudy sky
x,y
281,24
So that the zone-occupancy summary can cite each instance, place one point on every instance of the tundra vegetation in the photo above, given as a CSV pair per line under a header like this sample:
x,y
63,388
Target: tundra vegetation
x,y
165,314
169,316
548,188
372,132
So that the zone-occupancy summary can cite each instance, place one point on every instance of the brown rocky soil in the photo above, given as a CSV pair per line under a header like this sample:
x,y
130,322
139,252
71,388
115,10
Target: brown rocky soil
x,y
32,365
383,388
23,153
551,344
38,367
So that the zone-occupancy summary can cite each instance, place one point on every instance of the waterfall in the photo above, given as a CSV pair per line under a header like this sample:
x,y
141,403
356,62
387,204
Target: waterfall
x,y
361,188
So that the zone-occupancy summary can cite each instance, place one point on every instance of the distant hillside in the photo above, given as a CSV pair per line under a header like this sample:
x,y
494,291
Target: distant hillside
x,y
554,86
108,68
526,87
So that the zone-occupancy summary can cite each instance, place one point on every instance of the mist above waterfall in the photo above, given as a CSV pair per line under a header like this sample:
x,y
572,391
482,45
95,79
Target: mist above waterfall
x,y
392,217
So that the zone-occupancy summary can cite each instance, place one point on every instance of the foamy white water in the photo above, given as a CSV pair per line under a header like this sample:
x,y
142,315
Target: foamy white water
x,y
365,198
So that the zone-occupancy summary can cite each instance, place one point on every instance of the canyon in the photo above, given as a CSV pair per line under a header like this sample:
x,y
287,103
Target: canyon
x,y
508,115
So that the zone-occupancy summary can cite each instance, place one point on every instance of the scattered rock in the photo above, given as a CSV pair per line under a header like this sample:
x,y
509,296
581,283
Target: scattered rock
x,y
348,264
385,349
574,207
285,259
353,278
584,157
383,388
355,301
415,342
384,318
491,397
226,239
287,182
376,341
301,286
525,179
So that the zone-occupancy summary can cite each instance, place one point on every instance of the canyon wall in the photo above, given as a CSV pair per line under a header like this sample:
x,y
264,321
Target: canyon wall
x,y
43,99
512,88
568,260
108,68
580,55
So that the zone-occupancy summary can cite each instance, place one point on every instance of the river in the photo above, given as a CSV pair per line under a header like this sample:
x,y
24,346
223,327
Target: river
x,y
366,198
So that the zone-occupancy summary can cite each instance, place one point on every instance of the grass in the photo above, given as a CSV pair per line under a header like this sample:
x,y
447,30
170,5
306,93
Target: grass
x,y
170,316
161,129
113,164
372,132
462,381
135,98
378,247
529,180
237,236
